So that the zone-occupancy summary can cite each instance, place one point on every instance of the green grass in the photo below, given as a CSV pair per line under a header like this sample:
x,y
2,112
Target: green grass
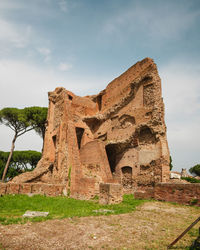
x,y
1,247
12,207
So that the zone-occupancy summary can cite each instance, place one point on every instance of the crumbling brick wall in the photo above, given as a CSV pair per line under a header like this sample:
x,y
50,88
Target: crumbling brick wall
x,y
183,193
116,136
32,188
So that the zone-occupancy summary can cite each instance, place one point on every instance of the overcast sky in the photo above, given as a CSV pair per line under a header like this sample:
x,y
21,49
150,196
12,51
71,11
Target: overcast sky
x,y
83,44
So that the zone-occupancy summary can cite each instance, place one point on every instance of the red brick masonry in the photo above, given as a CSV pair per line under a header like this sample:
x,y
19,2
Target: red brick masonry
x,y
183,193
32,188
188,194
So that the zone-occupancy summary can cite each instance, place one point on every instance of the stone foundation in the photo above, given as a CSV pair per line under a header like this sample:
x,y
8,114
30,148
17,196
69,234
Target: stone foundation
x,y
110,193
32,188
144,194
184,193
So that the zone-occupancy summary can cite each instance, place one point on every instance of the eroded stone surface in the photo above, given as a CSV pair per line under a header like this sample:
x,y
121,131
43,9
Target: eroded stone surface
x,y
32,214
117,136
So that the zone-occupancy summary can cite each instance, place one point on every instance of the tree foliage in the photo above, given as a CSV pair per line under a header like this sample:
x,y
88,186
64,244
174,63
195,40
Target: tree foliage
x,y
15,119
195,170
22,121
37,117
21,161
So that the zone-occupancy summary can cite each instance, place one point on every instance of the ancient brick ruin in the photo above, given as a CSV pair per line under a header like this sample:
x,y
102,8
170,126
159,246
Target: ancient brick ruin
x,y
116,137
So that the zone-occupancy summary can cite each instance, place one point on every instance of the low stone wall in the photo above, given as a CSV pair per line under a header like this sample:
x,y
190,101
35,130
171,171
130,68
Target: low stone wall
x,y
184,193
110,193
145,194
32,188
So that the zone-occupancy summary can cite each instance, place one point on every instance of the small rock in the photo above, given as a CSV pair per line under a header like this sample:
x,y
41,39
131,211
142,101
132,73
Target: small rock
x,y
32,214
103,211
30,194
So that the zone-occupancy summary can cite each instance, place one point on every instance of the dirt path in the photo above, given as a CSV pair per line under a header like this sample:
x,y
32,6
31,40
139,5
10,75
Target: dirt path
x,y
152,226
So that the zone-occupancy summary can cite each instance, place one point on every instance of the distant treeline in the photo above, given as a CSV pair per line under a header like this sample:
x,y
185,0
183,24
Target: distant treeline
x,y
21,161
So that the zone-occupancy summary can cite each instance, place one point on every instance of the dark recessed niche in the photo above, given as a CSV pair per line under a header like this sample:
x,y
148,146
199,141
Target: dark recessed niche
x,y
111,152
127,177
54,140
99,102
79,134
146,136
70,97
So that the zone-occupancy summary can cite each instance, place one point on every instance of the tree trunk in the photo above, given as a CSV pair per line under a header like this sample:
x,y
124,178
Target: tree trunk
x,y
9,157
43,137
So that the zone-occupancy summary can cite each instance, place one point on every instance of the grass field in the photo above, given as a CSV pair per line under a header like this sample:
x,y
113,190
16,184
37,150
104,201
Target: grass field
x,y
12,207
133,224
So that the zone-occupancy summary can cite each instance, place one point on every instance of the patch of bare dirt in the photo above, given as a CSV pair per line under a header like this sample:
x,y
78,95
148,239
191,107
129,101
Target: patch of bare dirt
x,y
152,226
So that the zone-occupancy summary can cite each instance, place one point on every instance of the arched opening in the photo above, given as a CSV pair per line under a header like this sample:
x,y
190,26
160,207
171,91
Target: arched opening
x,y
127,177
115,153
146,136
127,121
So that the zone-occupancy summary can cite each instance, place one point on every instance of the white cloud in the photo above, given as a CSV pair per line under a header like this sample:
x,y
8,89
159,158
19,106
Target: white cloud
x,y
28,141
161,21
22,35
10,5
181,87
63,5
181,91
12,34
46,53
24,85
64,66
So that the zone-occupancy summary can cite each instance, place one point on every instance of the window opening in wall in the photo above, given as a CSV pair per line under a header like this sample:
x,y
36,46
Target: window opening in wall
x,y
79,135
127,177
54,140
111,151
146,136
127,121
99,102
70,97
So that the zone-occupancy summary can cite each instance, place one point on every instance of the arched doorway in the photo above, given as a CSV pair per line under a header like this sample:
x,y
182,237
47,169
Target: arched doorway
x,y
127,177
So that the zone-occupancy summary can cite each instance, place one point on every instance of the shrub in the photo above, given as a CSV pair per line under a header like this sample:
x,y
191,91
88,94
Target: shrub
x,y
190,179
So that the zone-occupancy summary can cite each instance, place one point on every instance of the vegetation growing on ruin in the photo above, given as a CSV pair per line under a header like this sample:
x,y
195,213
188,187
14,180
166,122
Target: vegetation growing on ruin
x,y
69,180
191,179
12,207
170,163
